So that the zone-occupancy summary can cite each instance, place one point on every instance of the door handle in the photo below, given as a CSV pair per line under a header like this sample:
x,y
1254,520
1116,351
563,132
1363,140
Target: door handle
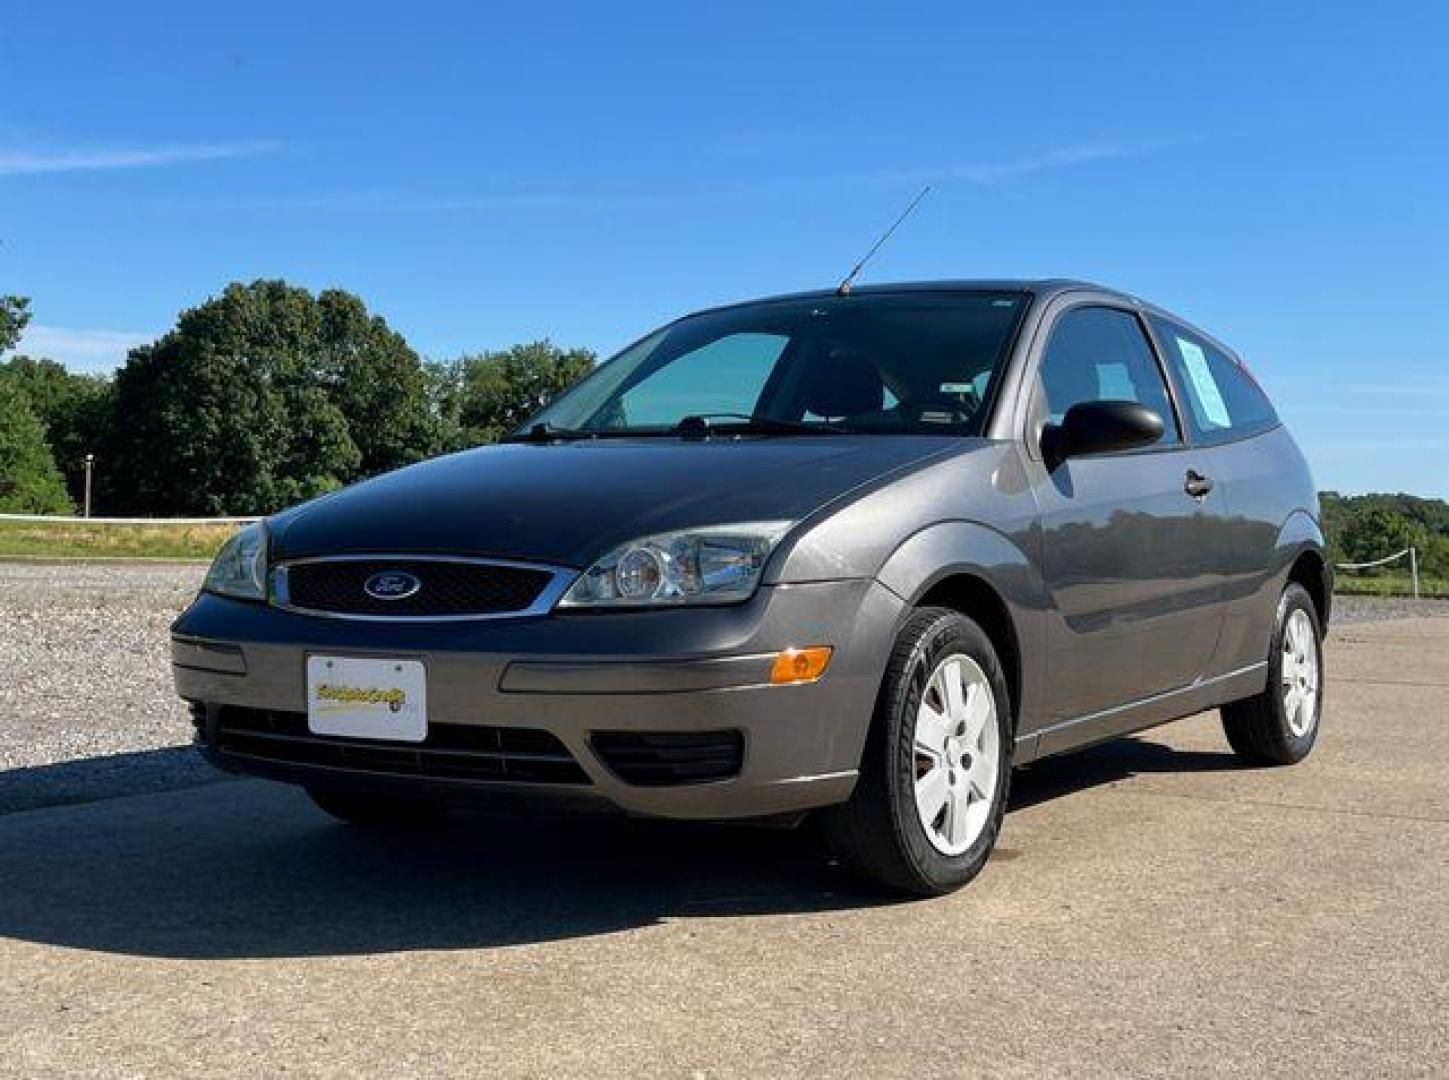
x,y
1197,484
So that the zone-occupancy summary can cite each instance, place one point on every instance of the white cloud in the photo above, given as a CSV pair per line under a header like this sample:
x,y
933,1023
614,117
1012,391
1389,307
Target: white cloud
x,y
81,350
1062,157
22,160
739,144
378,202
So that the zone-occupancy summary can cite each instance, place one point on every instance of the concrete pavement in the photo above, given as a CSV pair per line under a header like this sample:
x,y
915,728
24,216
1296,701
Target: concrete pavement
x,y
1153,909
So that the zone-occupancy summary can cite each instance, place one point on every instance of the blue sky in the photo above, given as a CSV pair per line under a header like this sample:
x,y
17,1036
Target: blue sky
x,y
483,174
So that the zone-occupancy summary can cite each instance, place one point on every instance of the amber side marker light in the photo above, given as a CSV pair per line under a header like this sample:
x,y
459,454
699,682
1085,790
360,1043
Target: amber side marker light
x,y
800,665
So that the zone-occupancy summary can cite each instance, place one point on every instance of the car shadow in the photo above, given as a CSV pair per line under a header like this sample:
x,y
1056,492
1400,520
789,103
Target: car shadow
x,y
113,776
247,868
251,869
1110,763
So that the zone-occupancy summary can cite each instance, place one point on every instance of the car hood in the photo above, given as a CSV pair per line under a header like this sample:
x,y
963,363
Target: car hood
x,y
568,503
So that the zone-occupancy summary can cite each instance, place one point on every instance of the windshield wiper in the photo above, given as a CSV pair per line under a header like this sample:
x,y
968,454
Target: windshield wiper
x,y
547,433
698,425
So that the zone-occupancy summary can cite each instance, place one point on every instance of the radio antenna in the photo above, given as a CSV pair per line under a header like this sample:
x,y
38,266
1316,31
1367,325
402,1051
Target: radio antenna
x,y
844,289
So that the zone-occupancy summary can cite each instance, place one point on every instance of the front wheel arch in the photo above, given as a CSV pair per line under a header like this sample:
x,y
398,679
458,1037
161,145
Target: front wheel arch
x,y
985,575
973,596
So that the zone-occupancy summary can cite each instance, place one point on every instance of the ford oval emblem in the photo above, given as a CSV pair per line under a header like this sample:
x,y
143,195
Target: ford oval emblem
x,y
392,585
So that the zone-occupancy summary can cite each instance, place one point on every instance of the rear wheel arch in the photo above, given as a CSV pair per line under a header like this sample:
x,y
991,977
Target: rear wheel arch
x,y
1301,548
1279,725
1310,570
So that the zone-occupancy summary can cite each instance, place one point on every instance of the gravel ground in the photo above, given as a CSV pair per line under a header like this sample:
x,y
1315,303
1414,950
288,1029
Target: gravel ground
x,y
84,669
1361,609
85,659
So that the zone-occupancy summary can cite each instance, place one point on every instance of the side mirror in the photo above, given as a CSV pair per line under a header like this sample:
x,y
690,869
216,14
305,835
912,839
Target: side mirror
x,y
1100,427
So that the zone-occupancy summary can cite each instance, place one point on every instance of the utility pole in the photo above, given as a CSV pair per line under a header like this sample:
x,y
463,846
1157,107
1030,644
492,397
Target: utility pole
x,y
90,465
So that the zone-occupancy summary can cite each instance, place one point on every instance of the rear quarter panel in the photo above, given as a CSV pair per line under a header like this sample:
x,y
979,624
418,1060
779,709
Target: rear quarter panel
x,y
1274,518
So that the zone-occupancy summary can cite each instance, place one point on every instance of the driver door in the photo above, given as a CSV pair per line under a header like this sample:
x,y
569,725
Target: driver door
x,y
1128,555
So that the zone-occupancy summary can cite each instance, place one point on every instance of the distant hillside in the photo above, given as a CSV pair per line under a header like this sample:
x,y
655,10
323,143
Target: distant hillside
x,y
1361,528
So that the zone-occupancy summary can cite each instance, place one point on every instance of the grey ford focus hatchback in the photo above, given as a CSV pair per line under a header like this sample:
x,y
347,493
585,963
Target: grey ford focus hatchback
x,y
858,554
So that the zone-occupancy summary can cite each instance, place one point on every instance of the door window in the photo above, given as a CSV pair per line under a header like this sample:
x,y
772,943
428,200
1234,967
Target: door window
x,y
1101,354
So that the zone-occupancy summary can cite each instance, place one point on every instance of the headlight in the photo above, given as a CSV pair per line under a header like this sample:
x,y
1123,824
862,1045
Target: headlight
x,y
240,569
717,565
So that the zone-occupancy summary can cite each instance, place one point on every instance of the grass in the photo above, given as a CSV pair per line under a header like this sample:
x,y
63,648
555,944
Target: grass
x,y
41,540
1346,584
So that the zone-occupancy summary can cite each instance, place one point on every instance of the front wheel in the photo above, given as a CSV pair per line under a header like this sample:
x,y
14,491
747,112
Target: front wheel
x,y
1280,725
933,784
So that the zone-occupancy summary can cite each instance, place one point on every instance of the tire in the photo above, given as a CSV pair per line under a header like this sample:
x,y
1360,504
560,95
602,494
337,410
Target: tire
x,y
1280,725
882,832
376,810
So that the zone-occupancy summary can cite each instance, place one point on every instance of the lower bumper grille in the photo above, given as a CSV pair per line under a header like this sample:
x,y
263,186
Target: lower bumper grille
x,y
660,758
451,751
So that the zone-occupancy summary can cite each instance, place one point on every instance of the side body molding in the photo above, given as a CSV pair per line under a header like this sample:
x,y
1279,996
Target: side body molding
x,y
950,549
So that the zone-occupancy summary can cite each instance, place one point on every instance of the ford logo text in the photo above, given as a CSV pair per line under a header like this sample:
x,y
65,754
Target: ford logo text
x,y
392,585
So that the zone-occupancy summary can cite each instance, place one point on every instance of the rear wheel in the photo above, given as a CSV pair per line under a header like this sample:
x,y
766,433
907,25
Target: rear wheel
x,y
932,791
376,810
1280,725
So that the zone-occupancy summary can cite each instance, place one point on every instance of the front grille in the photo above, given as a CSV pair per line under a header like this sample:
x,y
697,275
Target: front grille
x,y
446,588
450,752
661,758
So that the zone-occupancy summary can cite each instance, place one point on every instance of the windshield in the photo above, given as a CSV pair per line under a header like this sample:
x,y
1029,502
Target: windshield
x,y
917,363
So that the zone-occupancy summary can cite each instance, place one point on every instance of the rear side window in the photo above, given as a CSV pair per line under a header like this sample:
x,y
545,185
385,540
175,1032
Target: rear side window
x,y
1222,400
1101,354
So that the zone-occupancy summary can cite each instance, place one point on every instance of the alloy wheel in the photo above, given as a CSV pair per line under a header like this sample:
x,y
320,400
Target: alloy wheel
x,y
957,754
1299,670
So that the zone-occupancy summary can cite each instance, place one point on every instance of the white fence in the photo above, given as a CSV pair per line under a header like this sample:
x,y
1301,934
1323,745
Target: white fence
x,y
1395,557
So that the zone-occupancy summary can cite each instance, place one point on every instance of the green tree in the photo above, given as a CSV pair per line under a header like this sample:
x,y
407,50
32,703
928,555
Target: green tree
x,y
497,391
29,481
377,382
1330,515
260,397
1372,533
74,408
1434,558
14,316
444,379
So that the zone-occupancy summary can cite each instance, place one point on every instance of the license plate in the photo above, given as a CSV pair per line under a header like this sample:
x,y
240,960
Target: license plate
x,y
367,699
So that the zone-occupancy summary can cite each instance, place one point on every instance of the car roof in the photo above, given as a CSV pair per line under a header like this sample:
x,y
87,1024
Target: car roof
x,y
1041,288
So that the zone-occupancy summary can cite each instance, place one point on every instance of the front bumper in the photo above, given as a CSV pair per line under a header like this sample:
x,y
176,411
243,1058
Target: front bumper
x,y
576,676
